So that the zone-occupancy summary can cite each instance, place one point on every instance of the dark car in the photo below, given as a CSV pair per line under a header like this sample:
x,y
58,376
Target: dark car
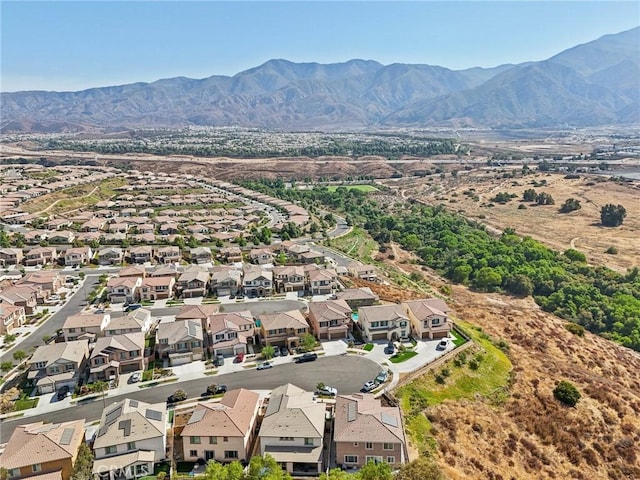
x,y
307,357
178,396
132,306
215,390
390,349
284,351
63,392
276,351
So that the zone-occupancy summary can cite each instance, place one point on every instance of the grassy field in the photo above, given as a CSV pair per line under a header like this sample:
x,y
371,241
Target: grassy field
x,y
484,372
357,244
362,188
74,197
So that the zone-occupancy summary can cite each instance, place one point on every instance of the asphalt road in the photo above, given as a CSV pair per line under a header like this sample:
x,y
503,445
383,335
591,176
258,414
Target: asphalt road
x,y
346,373
55,322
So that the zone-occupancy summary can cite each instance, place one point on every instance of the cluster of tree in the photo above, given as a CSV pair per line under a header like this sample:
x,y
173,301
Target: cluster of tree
x,y
612,215
530,195
602,300
570,205
503,197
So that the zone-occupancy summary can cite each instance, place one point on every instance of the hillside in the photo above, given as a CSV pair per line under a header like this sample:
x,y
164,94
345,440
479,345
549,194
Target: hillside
x,y
591,84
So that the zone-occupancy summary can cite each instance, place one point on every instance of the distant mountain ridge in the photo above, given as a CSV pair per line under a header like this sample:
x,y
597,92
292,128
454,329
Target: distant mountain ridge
x,y
595,83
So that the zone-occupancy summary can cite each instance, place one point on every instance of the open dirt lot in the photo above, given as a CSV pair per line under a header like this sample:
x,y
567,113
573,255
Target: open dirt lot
x,y
580,229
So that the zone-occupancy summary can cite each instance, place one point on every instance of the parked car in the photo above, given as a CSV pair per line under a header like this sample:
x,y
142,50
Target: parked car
x,y
370,385
265,365
219,360
178,396
132,306
443,344
328,391
284,351
276,351
390,349
54,298
63,392
239,358
135,377
215,389
307,357
382,377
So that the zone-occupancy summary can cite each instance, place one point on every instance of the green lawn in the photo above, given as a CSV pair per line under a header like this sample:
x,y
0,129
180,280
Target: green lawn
x,y
368,347
357,244
403,356
362,188
25,403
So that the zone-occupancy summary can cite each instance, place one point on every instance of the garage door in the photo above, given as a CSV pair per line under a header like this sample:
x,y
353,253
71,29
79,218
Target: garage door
x,y
180,359
47,388
226,352
379,336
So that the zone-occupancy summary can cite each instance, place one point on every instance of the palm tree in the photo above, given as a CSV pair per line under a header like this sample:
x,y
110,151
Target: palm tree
x,y
268,351
102,386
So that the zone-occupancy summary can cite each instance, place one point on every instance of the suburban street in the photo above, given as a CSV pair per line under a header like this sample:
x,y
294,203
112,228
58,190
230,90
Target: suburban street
x,y
346,373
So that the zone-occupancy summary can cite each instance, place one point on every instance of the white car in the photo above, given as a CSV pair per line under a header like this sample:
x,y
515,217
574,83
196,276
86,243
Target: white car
x,y
328,391
264,366
135,377
370,385
443,344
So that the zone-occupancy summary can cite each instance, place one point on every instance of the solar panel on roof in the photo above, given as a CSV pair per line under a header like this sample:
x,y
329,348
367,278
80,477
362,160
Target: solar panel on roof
x,y
191,328
113,415
133,403
197,416
153,414
387,419
102,430
125,425
67,435
351,411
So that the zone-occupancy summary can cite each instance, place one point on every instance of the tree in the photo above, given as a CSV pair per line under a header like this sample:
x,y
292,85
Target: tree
x,y
575,256
336,474
19,355
6,366
529,195
570,205
220,471
612,215
82,469
266,468
544,199
308,341
268,351
375,471
520,285
488,279
566,393
422,468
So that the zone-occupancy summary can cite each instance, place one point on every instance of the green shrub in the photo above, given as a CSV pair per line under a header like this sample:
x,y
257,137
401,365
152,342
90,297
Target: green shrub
x,y
566,393
575,329
612,250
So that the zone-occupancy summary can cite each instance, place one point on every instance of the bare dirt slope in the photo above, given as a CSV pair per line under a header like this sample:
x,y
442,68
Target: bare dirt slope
x,y
580,229
531,435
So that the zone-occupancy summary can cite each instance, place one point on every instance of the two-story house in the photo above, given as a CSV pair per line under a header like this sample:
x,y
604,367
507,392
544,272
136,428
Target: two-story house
x,y
85,326
230,333
429,318
231,254
133,271
43,450
283,328
157,288
299,446
181,341
117,354
200,255
48,282
290,278
330,319
225,280
222,431
140,254
363,272
193,283
257,282
123,289
77,256
358,297
25,296
10,256
57,365
139,320
168,270
40,256
384,322
110,256
130,440
11,317
261,256
365,430
169,254
322,281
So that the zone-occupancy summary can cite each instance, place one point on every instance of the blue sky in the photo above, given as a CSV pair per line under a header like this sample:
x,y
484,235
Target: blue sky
x,y
75,45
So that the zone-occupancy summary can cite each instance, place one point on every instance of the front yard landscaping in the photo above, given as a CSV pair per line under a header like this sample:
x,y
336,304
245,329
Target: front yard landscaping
x,y
402,356
368,347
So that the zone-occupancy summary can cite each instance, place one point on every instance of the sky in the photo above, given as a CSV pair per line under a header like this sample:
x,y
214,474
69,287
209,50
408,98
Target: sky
x,y
74,45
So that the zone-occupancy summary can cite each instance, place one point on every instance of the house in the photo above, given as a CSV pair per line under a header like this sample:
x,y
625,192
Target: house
x,y
231,254
330,319
157,288
322,281
312,256
294,250
133,271
43,451
169,270
77,256
170,254
222,431
138,320
289,278
10,256
110,256
358,297
199,312
200,255
85,326
140,254
363,272
56,365
93,225
11,317
113,355
225,280
383,322
61,237
123,289
193,283
282,329
230,333
40,256
365,430
130,440
257,282
25,296
298,446
429,318
181,341
47,282
261,256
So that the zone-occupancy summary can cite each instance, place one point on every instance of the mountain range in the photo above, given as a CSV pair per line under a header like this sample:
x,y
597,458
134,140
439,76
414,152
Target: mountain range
x,y
597,83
